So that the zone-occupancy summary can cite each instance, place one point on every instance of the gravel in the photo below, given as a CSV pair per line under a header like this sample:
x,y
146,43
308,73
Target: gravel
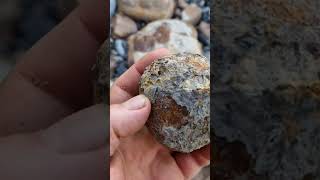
x,y
120,46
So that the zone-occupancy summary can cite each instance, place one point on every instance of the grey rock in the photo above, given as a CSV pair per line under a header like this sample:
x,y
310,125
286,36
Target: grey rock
x,y
203,39
207,52
200,3
178,87
121,47
113,7
113,64
206,14
122,66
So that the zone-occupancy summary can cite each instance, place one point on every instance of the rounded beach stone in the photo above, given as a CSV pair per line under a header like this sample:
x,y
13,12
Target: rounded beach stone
x,y
173,34
178,87
147,10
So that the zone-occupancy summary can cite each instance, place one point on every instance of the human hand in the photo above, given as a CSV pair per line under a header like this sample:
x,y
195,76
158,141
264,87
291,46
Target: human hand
x,y
43,133
134,153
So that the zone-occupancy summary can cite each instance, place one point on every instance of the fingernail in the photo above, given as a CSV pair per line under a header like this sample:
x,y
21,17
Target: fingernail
x,y
135,103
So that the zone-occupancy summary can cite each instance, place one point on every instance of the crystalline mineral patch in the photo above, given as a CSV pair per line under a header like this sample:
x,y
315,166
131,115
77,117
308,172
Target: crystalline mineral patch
x,y
266,96
178,87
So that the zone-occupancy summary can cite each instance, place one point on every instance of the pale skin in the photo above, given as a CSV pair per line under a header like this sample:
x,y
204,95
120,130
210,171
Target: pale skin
x,y
49,128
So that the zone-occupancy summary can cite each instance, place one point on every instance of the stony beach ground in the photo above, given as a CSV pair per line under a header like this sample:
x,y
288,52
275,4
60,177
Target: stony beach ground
x,y
140,26
131,32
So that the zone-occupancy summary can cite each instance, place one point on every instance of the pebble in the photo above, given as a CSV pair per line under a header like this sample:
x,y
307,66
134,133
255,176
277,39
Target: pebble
x,y
113,7
140,24
205,29
191,14
121,68
200,3
121,47
177,13
182,4
206,14
123,26
206,53
175,35
203,39
113,64
147,10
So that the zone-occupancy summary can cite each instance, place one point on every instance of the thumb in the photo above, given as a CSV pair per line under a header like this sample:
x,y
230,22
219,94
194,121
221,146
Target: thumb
x,y
127,118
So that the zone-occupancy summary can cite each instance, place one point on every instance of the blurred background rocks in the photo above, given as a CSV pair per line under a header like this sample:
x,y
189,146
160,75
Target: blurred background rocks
x,y
137,29
140,26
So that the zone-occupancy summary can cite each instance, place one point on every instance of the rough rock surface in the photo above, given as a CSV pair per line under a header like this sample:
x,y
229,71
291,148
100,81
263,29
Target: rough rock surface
x,y
174,35
266,96
178,87
102,73
147,10
123,26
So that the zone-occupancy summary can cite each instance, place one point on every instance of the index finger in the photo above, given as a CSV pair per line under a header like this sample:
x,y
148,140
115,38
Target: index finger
x,y
127,85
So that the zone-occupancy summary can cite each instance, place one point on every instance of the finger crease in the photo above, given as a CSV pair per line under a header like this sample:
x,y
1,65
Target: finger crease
x,y
33,79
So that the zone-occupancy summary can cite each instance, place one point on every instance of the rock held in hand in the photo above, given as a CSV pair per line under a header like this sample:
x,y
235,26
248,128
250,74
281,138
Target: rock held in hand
x,y
178,87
